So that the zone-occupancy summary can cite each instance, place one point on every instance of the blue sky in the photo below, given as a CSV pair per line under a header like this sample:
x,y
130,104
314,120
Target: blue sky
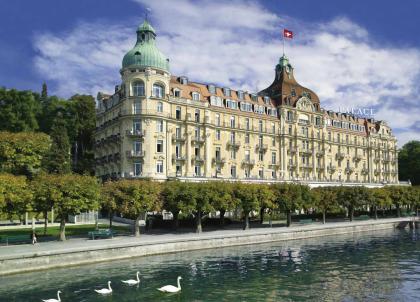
x,y
365,53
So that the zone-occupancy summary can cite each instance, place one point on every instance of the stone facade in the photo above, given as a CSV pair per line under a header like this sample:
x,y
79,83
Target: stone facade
x,y
161,126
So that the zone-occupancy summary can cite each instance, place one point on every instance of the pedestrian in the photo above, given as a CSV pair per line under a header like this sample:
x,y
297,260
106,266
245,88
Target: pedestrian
x,y
34,238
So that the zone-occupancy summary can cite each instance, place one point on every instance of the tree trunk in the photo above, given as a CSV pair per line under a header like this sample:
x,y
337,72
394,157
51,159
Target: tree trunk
x,y
45,222
289,218
62,229
176,220
376,212
199,228
351,213
246,225
110,219
137,227
262,210
222,217
383,212
323,216
398,211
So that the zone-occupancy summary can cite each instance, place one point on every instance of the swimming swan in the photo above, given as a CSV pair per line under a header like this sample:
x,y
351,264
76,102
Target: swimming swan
x,y
105,291
54,300
132,281
171,288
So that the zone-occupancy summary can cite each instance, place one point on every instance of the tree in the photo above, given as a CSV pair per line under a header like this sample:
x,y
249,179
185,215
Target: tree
x,y
22,153
352,198
378,197
325,199
397,194
16,197
83,113
170,195
142,196
288,197
247,197
58,158
203,205
265,196
112,196
71,195
409,162
18,110
44,195
221,198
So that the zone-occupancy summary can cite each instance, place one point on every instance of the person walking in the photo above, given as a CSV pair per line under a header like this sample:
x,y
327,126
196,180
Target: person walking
x,y
34,238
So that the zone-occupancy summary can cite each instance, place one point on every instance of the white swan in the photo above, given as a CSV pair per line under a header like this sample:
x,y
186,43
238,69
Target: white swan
x,y
54,300
171,288
132,281
105,291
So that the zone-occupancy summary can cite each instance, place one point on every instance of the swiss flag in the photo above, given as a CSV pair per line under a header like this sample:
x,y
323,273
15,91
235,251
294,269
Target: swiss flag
x,y
287,34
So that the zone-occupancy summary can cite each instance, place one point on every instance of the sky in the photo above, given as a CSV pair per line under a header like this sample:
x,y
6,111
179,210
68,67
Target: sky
x,y
363,54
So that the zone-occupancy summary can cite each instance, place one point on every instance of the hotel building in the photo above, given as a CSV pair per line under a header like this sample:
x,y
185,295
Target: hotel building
x,y
162,126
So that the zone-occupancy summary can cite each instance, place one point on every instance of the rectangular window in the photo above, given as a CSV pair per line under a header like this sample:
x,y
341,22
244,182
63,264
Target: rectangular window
x,y
232,154
273,128
232,122
217,119
273,141
247,155
218,134
247,124
178,132
273,174
290,129
226,91
197,170
137,169
218,153
136,126
136,108
137,147
212,89
197,132
159,125
178,170
261,156
216,101
177,93
197,116
261,174
233,171
159,107
159,146
178,113
247,138
260,125
196,96
273,158
177,150
159,166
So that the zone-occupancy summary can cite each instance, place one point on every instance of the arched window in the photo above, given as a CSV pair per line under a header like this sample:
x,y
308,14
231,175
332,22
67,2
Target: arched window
x,y
138,88
158,90
159,107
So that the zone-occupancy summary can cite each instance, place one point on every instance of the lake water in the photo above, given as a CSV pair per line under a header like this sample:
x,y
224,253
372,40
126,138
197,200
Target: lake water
x,y
377,266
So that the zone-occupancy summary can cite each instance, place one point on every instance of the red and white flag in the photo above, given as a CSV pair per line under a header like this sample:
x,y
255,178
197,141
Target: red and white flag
x,y
287,34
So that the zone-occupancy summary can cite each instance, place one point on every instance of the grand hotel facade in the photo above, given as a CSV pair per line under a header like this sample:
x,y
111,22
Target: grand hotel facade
x,y
160,126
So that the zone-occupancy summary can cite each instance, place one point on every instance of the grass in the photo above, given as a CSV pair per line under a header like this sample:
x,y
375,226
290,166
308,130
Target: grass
x,y
71,230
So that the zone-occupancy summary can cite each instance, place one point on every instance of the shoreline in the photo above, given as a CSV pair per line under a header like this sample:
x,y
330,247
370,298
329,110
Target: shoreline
x,y
27,258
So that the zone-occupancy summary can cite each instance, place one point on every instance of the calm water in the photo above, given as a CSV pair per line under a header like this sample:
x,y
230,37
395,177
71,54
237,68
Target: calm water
x,y
380,266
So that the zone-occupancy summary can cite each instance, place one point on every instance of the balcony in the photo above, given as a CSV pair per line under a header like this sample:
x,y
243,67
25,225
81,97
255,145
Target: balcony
x,y
197,159
291,150
261,147
387,160
357,158
274,166
331,168
233,144
178,138
248,162
377,171
218,161
320,153
135,133
197,140
376,159
365,171
292,166
340,156
178,158
306,166
349,170
320,168
135,154
306,151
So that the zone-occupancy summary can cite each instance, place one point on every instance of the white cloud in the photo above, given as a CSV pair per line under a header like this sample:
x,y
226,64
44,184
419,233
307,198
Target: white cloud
x,y
237,44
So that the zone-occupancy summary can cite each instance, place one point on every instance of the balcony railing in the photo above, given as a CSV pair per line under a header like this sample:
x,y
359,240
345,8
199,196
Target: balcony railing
x,y
365,171
306,166
178,157
178,138
198,140
291,150
135,133
377,171
376,159
274,165
357,158
306,151
320,153
349,170
331,168
218,161
233,144
261,147
340,155
197,159
292,166
248,162
135,154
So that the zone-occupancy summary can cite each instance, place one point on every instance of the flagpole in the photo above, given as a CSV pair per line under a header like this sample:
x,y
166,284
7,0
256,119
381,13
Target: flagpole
x,y
283,42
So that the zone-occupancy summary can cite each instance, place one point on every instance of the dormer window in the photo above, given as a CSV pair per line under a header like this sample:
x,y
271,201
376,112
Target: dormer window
x,y
240,94
254,97
226,91
196,96
267,100
184,80
212,89
177,93
293,92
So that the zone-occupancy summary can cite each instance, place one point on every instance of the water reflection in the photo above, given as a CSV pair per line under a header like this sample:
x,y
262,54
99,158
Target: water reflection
x,y
380,266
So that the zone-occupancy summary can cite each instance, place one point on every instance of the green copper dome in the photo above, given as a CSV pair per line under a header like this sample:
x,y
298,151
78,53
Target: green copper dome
x,y
145,53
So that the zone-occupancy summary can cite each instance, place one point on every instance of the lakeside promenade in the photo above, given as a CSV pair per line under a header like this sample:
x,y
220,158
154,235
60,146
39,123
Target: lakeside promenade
x,y
45,255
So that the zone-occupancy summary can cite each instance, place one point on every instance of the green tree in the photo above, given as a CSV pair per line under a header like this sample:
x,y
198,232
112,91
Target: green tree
x,y
266,198
288,198
409,162
16,197
23,152
378,198
247,197
58,158
222,199
44,92
170,196
352,198
18,110
202,193
325,199
141,197
397,194
44,195
112,196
